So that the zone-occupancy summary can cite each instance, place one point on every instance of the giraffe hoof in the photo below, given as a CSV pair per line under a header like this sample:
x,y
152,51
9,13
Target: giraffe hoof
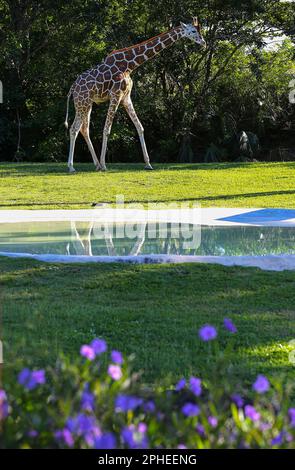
x,y
103,168
148,167
72,170
98,168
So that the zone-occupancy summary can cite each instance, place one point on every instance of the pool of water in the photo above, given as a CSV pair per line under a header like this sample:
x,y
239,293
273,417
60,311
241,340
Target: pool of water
x,y
97,239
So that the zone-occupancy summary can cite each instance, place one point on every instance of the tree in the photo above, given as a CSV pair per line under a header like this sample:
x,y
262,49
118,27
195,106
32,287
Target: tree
x,y
186,98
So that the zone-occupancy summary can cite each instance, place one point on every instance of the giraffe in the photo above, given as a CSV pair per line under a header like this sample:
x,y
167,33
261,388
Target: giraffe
x,y
111,81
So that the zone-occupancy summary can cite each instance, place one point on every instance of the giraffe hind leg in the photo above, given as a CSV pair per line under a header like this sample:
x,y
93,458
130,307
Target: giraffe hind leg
x,y
113,106
85,132
75,128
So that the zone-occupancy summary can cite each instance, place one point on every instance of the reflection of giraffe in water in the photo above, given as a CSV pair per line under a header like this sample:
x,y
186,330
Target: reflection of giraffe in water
x,y
83,244
110,81
135,250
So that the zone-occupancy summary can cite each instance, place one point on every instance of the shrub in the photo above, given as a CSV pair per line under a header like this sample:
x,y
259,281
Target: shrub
x,y
96,401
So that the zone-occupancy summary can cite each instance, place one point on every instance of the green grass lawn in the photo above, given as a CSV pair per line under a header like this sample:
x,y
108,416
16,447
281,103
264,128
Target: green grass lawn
x,y
153,311
49,186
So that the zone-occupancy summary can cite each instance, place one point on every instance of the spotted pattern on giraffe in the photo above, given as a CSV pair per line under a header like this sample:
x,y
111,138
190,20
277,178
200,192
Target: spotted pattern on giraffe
x,y
111,81
98,83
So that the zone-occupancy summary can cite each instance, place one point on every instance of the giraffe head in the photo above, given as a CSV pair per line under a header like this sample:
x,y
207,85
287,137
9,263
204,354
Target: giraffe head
x,y
193,32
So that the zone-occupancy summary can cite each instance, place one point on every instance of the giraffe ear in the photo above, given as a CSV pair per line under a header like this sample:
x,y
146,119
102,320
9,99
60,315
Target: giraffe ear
x,y
195,21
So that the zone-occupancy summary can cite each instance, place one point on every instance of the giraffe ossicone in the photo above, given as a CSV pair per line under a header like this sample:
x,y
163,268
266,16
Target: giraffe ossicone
x,y
111,81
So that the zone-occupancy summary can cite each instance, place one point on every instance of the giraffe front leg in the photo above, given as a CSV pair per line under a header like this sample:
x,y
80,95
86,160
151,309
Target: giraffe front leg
x,y
133,116
106,134
115,101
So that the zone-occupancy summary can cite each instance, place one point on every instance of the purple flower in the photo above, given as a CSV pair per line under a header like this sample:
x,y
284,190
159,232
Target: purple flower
x,y
252,413
149,407
134,437
213,421
39,376
180,385
30,379
105,441
33,433
126,403
84,423
4,408
24,376
229,325
115,372
99,346
142,428
127,437
87,401
265,427
31,384
289,437
160,416
261,385
207,333
200,430
276,441
88,352
238,400
81,424
71,424
65,437
181,446
291,413
92,435
190,409
117,357
195,386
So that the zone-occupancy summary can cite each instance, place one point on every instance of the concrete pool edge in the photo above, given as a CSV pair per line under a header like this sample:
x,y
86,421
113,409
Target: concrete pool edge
x,y
266,263
213,216
225,217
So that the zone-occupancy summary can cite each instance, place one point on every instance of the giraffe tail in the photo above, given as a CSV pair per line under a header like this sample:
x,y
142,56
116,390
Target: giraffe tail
x,y
67,115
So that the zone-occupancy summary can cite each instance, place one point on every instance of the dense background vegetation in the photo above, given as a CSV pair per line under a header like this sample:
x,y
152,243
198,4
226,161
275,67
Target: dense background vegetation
x,y
194,104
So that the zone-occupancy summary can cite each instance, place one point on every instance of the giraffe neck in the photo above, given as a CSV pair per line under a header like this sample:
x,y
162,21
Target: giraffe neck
x,y
132,57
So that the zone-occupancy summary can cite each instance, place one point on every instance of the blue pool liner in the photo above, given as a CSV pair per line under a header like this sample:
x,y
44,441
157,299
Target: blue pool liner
x,y
261,216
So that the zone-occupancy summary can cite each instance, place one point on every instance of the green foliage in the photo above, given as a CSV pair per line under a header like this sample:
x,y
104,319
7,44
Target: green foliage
x,y
214,154
234,85
97,402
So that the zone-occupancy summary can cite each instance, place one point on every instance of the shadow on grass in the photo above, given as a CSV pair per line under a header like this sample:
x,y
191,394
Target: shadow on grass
x,y
220,197
246,195
24,169
48,204
61,169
